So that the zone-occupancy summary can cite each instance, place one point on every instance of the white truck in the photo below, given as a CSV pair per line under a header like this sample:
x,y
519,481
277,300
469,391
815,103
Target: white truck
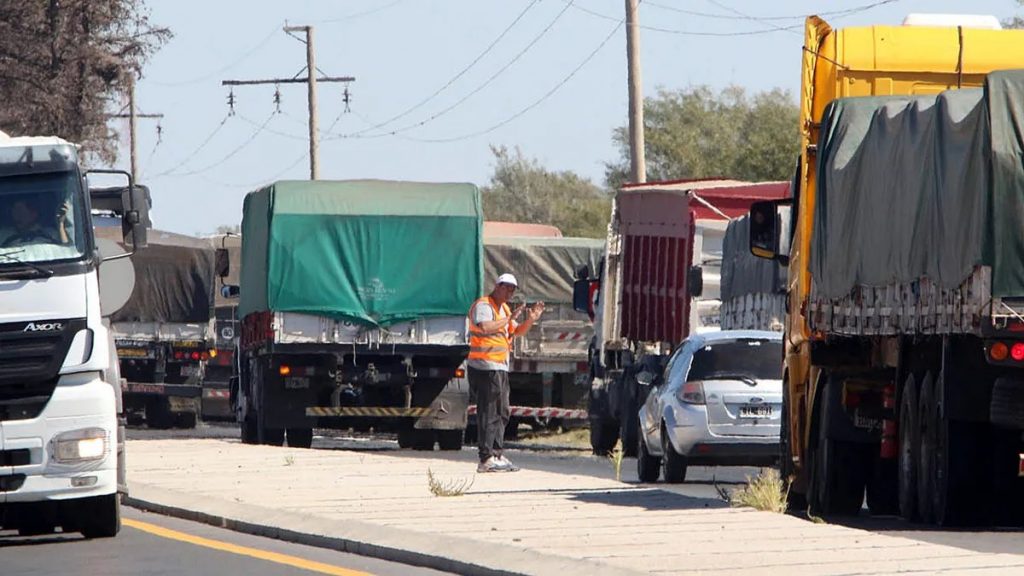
x,y
60,437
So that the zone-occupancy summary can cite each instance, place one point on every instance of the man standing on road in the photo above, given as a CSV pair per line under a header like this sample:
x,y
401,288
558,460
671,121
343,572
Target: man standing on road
x,y
492,327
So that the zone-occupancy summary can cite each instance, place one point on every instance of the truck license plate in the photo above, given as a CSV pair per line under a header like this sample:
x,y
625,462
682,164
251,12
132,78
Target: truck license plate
x,y
293,382
189,370
756,411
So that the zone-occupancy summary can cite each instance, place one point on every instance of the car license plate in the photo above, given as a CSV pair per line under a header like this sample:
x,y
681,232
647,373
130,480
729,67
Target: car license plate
x,y
756,411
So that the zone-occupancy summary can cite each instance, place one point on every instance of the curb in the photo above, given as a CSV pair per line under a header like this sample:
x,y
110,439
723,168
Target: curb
x,y
444,553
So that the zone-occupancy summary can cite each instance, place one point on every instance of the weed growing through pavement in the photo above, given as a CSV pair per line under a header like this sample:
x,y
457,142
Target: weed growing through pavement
x,y
289,460
616,456
766,492
448,488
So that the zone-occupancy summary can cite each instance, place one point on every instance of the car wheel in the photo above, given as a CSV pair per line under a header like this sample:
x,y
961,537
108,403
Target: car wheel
x,y
673,463
648,467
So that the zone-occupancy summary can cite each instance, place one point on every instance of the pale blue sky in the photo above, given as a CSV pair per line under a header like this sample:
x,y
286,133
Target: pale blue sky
x,y
402,52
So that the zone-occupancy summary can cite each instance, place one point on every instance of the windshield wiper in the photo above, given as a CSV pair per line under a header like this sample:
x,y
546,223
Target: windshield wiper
x,y
745,378
10,258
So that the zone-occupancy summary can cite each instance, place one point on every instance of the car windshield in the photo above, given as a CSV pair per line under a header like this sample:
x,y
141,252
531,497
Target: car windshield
x,y
758,359
40,216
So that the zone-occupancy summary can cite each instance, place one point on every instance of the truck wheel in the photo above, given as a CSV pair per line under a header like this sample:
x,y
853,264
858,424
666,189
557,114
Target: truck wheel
x,y
956,463
248,430
471,434
603,436
405,435
186,420
648,467
158,414
450,439
837,468
268,436
628,433
795,501
910,450
36,527
300,437
926,455
101,517
423,440
882,487
673,463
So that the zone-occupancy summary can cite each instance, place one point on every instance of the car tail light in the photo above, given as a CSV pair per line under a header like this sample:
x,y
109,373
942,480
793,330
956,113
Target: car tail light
x,y
1017,351
284,370
691,393
998,351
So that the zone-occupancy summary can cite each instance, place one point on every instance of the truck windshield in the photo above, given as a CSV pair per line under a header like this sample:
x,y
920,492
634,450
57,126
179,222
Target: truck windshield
x,y
751,358
41,216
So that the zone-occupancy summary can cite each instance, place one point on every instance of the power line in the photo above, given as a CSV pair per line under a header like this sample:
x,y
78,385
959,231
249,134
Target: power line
x,y
227,67
734,16
361,14
486,83
230,155
535,103
458,75
688,32
255,183
197,150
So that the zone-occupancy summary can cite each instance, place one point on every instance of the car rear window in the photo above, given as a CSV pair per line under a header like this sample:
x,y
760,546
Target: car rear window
x,y
749,358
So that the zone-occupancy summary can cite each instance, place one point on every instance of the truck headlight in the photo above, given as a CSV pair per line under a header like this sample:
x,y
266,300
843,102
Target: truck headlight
x,y
81,445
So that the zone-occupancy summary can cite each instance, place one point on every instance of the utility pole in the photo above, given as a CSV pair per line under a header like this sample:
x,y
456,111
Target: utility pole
x,y
310,81
133,115
637,160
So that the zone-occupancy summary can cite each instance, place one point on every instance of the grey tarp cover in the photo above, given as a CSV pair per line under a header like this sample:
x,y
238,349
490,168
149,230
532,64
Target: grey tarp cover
x,y
174,279
922,187
742,272
544,267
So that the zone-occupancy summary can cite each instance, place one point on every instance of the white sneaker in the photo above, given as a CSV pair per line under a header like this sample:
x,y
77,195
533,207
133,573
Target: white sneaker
x,y
492,464
509,466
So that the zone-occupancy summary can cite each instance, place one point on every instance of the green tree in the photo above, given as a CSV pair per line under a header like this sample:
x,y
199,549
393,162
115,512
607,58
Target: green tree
x,y
696,133
1016,22
65,63
521,190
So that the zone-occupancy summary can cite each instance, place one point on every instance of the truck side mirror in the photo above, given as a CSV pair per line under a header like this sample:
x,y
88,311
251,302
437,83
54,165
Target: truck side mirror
x,y
695,281
766,230
135,222
222,262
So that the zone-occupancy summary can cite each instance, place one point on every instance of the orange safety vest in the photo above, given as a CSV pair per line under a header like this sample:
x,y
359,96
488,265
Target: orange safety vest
x,y
489,347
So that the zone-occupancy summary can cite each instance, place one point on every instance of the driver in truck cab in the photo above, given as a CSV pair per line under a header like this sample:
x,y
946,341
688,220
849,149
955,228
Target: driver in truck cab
x,y
26,228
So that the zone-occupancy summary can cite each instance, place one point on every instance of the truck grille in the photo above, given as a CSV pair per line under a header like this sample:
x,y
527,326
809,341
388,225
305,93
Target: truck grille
x,y
31,354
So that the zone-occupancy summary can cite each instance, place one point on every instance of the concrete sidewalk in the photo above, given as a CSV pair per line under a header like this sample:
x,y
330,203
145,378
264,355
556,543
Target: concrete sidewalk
x,y
528,522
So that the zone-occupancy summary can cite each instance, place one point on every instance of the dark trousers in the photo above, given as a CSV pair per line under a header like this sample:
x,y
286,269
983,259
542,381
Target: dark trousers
x,y
492,410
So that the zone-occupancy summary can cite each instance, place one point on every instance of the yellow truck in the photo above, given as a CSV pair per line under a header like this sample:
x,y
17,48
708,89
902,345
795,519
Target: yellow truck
x,y
904,338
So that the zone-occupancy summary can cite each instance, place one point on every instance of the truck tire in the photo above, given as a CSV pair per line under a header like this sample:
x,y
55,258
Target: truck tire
x,y
423,440
450,440
837,467
186,420
405,434
909,450
36,527
300,437
673,463
603,436
158,414
926,455
249,432
101,517
648,467
268,436
795,501
882,487
629,433
957,465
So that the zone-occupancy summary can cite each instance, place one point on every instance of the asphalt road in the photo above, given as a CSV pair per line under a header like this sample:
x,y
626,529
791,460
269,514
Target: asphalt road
x,y
153,545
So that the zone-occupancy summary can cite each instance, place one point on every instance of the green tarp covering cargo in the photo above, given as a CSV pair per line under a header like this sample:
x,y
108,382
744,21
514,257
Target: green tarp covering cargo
x,y
920,200
374,252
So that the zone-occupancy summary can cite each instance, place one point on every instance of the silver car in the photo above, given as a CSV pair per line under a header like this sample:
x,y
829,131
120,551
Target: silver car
x,y
719,403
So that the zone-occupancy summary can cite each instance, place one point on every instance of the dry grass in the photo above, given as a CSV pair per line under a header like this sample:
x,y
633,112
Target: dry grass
x,y
577,438
448,488
616,456
766,492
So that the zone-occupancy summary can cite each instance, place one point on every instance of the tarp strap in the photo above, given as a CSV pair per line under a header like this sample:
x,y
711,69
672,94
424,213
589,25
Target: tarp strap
x,y
710,206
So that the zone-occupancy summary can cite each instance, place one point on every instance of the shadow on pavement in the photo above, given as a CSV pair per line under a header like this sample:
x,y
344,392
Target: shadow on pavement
x,y
646,498
11,540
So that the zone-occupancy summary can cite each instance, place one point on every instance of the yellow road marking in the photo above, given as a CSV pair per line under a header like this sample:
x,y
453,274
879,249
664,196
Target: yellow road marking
x,y
268,556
